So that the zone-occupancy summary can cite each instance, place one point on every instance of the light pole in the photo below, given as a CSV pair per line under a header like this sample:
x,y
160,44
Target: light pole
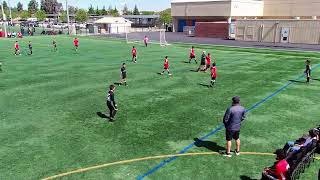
x,y
68,18
10,12
4,21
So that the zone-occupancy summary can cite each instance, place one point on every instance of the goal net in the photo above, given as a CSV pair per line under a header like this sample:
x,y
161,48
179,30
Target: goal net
x,y
154,36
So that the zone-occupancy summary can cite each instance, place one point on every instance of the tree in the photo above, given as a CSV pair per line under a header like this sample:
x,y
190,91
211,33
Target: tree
x,y
104,11
5,5
97,11
147,12
115,12
125,10
81,16
19,7
63,17
33,6
40,15
72,10
110,10
50,6
136,10
25,15
165,16
91,10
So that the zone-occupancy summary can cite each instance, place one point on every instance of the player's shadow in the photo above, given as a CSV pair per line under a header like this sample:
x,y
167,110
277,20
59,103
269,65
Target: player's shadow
x,y
186,62
159,73
315,79
243,177
192,70
296,81
103,116
204,85
212,146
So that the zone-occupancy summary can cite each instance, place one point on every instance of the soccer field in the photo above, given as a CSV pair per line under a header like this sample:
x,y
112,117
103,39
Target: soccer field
x,y
49,103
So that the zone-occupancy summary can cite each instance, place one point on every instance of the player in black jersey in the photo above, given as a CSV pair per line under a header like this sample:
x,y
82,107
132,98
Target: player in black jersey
x,y
202,62
30,48
54,44
111,103
123,70
308,70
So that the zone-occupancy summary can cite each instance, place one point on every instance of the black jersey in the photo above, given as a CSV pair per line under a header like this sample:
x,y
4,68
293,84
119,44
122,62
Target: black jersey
x,y
30,46
110,99
123,71
54,43
308,68
203,59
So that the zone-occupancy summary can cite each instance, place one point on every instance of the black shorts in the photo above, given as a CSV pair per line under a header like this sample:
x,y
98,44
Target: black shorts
x,y
203,63
192,56
232,135
124,76
213,78
208,66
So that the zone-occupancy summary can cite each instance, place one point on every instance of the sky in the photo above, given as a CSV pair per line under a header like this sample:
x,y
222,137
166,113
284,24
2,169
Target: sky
x,y
153,5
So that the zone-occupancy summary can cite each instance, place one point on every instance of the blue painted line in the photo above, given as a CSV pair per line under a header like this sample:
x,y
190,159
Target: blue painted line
x,y
184,150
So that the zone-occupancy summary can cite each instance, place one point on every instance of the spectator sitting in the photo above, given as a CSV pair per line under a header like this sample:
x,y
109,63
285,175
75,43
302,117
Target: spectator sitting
x,y
280,170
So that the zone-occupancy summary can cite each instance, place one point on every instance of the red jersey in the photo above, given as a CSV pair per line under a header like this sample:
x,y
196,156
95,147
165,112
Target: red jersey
x,y
166,64
134,51
208,59
16,45
282,169
192,52
76,42
213,71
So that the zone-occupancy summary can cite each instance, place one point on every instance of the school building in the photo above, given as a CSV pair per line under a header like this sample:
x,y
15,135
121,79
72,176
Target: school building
x,y
286,21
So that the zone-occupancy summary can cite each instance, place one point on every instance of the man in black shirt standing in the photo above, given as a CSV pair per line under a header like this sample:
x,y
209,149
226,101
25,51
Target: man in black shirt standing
x,y
111,102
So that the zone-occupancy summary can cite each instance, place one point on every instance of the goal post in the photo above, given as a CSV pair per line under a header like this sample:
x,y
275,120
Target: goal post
x,y
154,36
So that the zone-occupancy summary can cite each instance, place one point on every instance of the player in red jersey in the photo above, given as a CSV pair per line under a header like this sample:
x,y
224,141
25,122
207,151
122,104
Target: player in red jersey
x,y
213,72
134,54
146,41
76,43
16,48
166,66
192,55
208,62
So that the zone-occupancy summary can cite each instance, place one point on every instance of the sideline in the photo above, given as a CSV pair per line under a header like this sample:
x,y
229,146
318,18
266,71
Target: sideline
x,y
81,170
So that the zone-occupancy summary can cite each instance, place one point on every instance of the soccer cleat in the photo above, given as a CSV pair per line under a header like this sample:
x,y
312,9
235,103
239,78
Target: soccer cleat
x,y
237,152
227,155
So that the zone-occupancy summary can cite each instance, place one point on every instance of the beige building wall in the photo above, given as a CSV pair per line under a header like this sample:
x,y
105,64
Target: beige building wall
x,y
292,8
201,8
247,8
300,31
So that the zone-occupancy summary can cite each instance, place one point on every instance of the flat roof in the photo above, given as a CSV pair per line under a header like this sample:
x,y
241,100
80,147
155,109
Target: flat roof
x,y
142,16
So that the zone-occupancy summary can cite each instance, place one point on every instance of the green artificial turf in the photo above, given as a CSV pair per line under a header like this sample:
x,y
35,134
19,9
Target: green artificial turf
x,y
49,101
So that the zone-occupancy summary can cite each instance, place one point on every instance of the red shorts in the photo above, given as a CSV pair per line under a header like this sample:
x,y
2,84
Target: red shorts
x,y
76,45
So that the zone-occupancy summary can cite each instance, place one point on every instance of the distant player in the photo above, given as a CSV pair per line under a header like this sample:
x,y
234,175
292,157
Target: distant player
x,y
308,70
146,41
54,44
208,62
134,54
76,43
166,66
30,48
123,70
111,103
202,62
213,72
192,55
0,66
16,48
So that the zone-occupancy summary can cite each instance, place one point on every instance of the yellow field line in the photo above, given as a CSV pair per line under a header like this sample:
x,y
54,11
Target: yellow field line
x,y
81,170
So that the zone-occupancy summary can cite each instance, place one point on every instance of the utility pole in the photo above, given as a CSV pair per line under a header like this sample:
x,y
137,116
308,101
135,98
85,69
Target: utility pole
x,y
4,21
10,12
68,18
